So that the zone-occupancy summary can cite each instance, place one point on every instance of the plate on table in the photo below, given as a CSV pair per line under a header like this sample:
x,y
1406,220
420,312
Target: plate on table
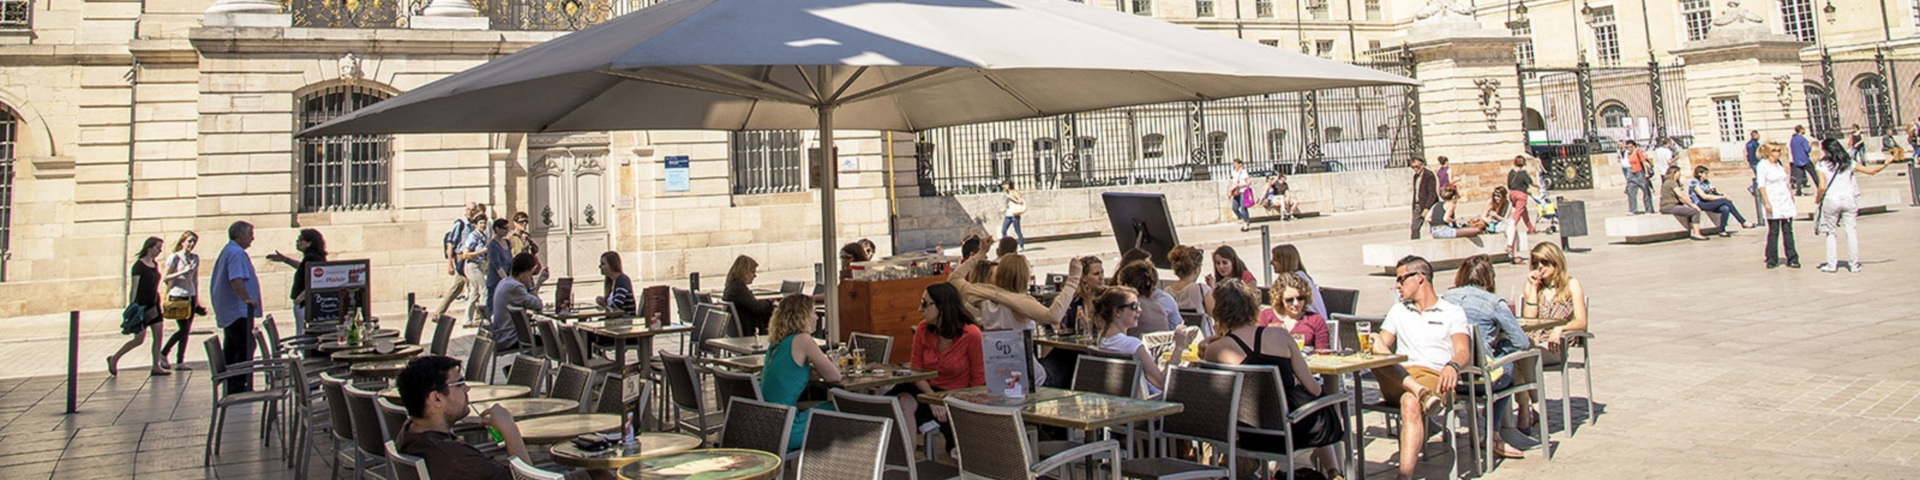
x,y
383,346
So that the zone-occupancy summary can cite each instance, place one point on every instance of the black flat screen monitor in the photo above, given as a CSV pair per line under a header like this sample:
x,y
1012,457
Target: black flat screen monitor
x,y
1142,220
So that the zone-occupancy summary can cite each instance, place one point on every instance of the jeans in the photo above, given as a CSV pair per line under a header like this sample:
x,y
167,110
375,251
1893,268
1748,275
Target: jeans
x,y
1240,211
1800,175
239,348
1639,183
1723,207
1777,231
1013,221
1837,214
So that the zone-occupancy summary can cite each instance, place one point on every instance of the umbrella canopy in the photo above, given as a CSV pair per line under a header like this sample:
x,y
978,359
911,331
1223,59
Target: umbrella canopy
x,y
901,65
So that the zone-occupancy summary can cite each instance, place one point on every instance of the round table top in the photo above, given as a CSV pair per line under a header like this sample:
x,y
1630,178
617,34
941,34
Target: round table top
x,y
369,355
524,408
336,347
388,368
561,428
707,464
381,333
476,393
652,444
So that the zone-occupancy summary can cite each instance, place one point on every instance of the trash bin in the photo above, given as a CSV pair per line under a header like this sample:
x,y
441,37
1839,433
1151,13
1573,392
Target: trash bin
x,y
1573,218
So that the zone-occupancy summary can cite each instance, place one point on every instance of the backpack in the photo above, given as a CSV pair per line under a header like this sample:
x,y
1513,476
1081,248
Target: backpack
x,y
454,236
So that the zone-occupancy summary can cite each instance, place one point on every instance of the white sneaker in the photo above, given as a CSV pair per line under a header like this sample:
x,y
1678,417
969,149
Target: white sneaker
x,y
1828,267
1853,267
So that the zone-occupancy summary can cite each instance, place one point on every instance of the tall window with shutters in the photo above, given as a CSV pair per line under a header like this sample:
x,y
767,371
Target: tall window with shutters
x,y
1699,17
767,161
1606,36
1797,17
343,172
1727,111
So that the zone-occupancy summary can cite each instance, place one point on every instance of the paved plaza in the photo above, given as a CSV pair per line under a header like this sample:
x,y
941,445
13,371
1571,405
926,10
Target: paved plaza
x,y
1707,364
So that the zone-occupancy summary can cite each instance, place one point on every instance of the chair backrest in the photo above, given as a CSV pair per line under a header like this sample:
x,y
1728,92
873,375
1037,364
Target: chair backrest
x,y
216,359
879,348
522,327
334,389
1111,376
1347,332
583,344
899,451
757,425
713,322
416,321
844,445
527,371
1195,318
792,286
1212,399
572,382
272,330
442,334
612,391
728,385
367,433
993,440
1263,403
524,471
393,417
480,361
683,382
267,349
683,304
549,347
406,467
569,341
1340,301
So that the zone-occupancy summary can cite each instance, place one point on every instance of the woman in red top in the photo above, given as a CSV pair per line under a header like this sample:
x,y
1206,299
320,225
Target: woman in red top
x,y
947,342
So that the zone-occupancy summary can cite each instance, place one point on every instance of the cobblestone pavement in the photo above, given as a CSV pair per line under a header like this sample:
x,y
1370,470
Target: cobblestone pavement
x,y
1707,365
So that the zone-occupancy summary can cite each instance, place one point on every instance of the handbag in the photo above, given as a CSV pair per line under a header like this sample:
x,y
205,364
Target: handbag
x,y
177,309
1016,209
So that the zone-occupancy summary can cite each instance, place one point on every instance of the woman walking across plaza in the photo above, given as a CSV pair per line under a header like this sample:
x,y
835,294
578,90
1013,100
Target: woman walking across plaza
x,y
1839,193
1239,194
146,295
1709,199
1551,293
1519,191
1777,204
313,249
182,276
1016,208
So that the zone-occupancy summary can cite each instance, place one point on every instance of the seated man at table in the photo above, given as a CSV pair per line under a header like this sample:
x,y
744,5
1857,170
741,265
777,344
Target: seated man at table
x,y
432,389
514,292
1435,336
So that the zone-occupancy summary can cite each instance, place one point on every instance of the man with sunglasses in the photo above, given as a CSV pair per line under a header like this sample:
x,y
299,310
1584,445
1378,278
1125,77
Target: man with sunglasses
x,y
1434,335
435,396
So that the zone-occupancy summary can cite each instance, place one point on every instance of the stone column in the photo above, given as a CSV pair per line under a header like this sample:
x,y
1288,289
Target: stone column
x,y
246,13
450,15
1741,58
1469,97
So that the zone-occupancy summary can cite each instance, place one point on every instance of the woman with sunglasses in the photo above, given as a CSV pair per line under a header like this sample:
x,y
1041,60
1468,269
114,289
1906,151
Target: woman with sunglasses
x,y
947,342
1551,293
1236,307
1290,299
1286,259
1116,311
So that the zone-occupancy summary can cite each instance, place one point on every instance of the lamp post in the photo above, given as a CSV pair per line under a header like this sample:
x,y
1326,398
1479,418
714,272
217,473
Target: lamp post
x,y
1831,123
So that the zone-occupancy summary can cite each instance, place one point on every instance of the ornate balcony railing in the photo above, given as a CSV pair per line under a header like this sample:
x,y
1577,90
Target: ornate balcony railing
x,y
530,15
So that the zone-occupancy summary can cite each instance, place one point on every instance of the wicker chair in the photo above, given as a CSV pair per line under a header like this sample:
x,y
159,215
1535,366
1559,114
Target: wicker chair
x,y
406,467
686,394
584,347
480,362
268,397
368,438
523,471
1111,376
304,415
528,371
416,321
844,446
993,444
728,385
442,335
757,425
1342,301
879,348
393,417
1212,399
612,391
900,462
1482,395
522,332
572,382
341,418
1264,409
548,342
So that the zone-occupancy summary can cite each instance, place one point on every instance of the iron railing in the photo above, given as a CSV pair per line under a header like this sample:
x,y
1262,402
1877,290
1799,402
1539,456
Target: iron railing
x,y
1604,106
1360,128
16,14
531,15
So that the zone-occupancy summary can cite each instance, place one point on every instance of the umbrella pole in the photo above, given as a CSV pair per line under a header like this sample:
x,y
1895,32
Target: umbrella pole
x,y
828,244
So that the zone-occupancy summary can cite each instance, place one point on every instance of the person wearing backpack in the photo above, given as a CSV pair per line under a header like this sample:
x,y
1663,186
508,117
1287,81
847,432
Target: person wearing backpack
x,y
449,244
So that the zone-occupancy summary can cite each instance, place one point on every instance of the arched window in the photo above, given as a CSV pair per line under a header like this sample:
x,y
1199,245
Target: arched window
x,y
1874,103
9,136
1043,147
1332,135
343,172
1276,142
1819,112
1615,116
1153,145
1217,146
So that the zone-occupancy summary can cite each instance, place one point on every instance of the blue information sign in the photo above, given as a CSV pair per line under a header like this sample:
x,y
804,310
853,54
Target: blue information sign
x,y
678,179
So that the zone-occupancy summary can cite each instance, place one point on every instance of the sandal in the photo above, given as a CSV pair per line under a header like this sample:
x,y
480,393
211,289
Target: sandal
x,y
113,370
1508,452
1525,422
158,373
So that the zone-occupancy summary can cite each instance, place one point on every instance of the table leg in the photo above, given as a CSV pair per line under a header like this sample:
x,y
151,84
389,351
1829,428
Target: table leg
x,y
1358,444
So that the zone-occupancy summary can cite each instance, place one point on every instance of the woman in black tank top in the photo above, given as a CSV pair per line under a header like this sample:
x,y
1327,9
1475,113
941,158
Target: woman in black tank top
x,y
1236,310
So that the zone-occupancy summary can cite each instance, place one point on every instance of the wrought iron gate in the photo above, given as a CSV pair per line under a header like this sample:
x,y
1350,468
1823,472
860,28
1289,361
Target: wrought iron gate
x,y
1603,106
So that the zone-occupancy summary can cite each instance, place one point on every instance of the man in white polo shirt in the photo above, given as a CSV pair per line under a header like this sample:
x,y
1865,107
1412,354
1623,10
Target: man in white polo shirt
x,y
1434,335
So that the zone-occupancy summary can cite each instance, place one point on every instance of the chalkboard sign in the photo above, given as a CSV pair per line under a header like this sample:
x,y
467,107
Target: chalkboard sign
x,y
335,288
1005,352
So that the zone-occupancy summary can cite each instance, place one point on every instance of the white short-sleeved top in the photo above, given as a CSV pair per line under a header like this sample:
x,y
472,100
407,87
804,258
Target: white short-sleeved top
x,y
1426,337
1773,178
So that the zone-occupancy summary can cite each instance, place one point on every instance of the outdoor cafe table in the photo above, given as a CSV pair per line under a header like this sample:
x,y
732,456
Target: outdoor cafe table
x,y
381,333
582,314
706,464
382,369
637,330
1329,365
1083,342
868,377
1090,411
560,428
370,355
1531,325
523,408
741,345
652,444
979,395
475,393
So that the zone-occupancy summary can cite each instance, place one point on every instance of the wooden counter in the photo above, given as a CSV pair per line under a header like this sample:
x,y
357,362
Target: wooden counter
x,y
889,308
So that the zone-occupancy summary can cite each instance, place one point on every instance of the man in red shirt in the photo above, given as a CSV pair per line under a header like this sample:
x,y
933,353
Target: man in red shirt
x,y
1638,179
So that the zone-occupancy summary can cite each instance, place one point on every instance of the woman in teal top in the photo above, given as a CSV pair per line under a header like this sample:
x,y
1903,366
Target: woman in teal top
x,y
793,360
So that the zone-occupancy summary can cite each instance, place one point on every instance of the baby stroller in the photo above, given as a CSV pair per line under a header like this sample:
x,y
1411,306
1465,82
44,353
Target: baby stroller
x,y
1546,213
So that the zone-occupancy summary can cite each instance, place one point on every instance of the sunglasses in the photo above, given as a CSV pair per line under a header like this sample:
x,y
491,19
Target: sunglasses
x,y
461,384
1135,306
1292,300
1403,278
924,303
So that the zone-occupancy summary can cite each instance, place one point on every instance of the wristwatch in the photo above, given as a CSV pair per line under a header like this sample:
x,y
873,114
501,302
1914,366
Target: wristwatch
x,y
1456,366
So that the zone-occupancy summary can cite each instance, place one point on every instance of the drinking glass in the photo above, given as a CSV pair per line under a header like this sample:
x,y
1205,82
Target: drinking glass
x,y
859,358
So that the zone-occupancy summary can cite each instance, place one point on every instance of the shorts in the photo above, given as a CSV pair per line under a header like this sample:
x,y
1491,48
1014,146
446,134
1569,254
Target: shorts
x,y
1426,377
1444,231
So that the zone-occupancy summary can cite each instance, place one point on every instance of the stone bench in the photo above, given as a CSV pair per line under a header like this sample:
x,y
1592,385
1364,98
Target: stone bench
x,y
1442,253
1870,202
1658,227
1304,209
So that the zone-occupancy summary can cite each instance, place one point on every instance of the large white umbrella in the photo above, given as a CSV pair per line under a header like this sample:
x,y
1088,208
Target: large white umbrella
x,y
901,65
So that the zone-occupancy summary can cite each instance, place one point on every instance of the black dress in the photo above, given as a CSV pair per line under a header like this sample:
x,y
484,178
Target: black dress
x,y
146,289
1319,429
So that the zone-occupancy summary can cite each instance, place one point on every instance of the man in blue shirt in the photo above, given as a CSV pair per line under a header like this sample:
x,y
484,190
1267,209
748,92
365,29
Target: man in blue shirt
x,y
472,254
454,238
1802,160
235,289
1753,157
